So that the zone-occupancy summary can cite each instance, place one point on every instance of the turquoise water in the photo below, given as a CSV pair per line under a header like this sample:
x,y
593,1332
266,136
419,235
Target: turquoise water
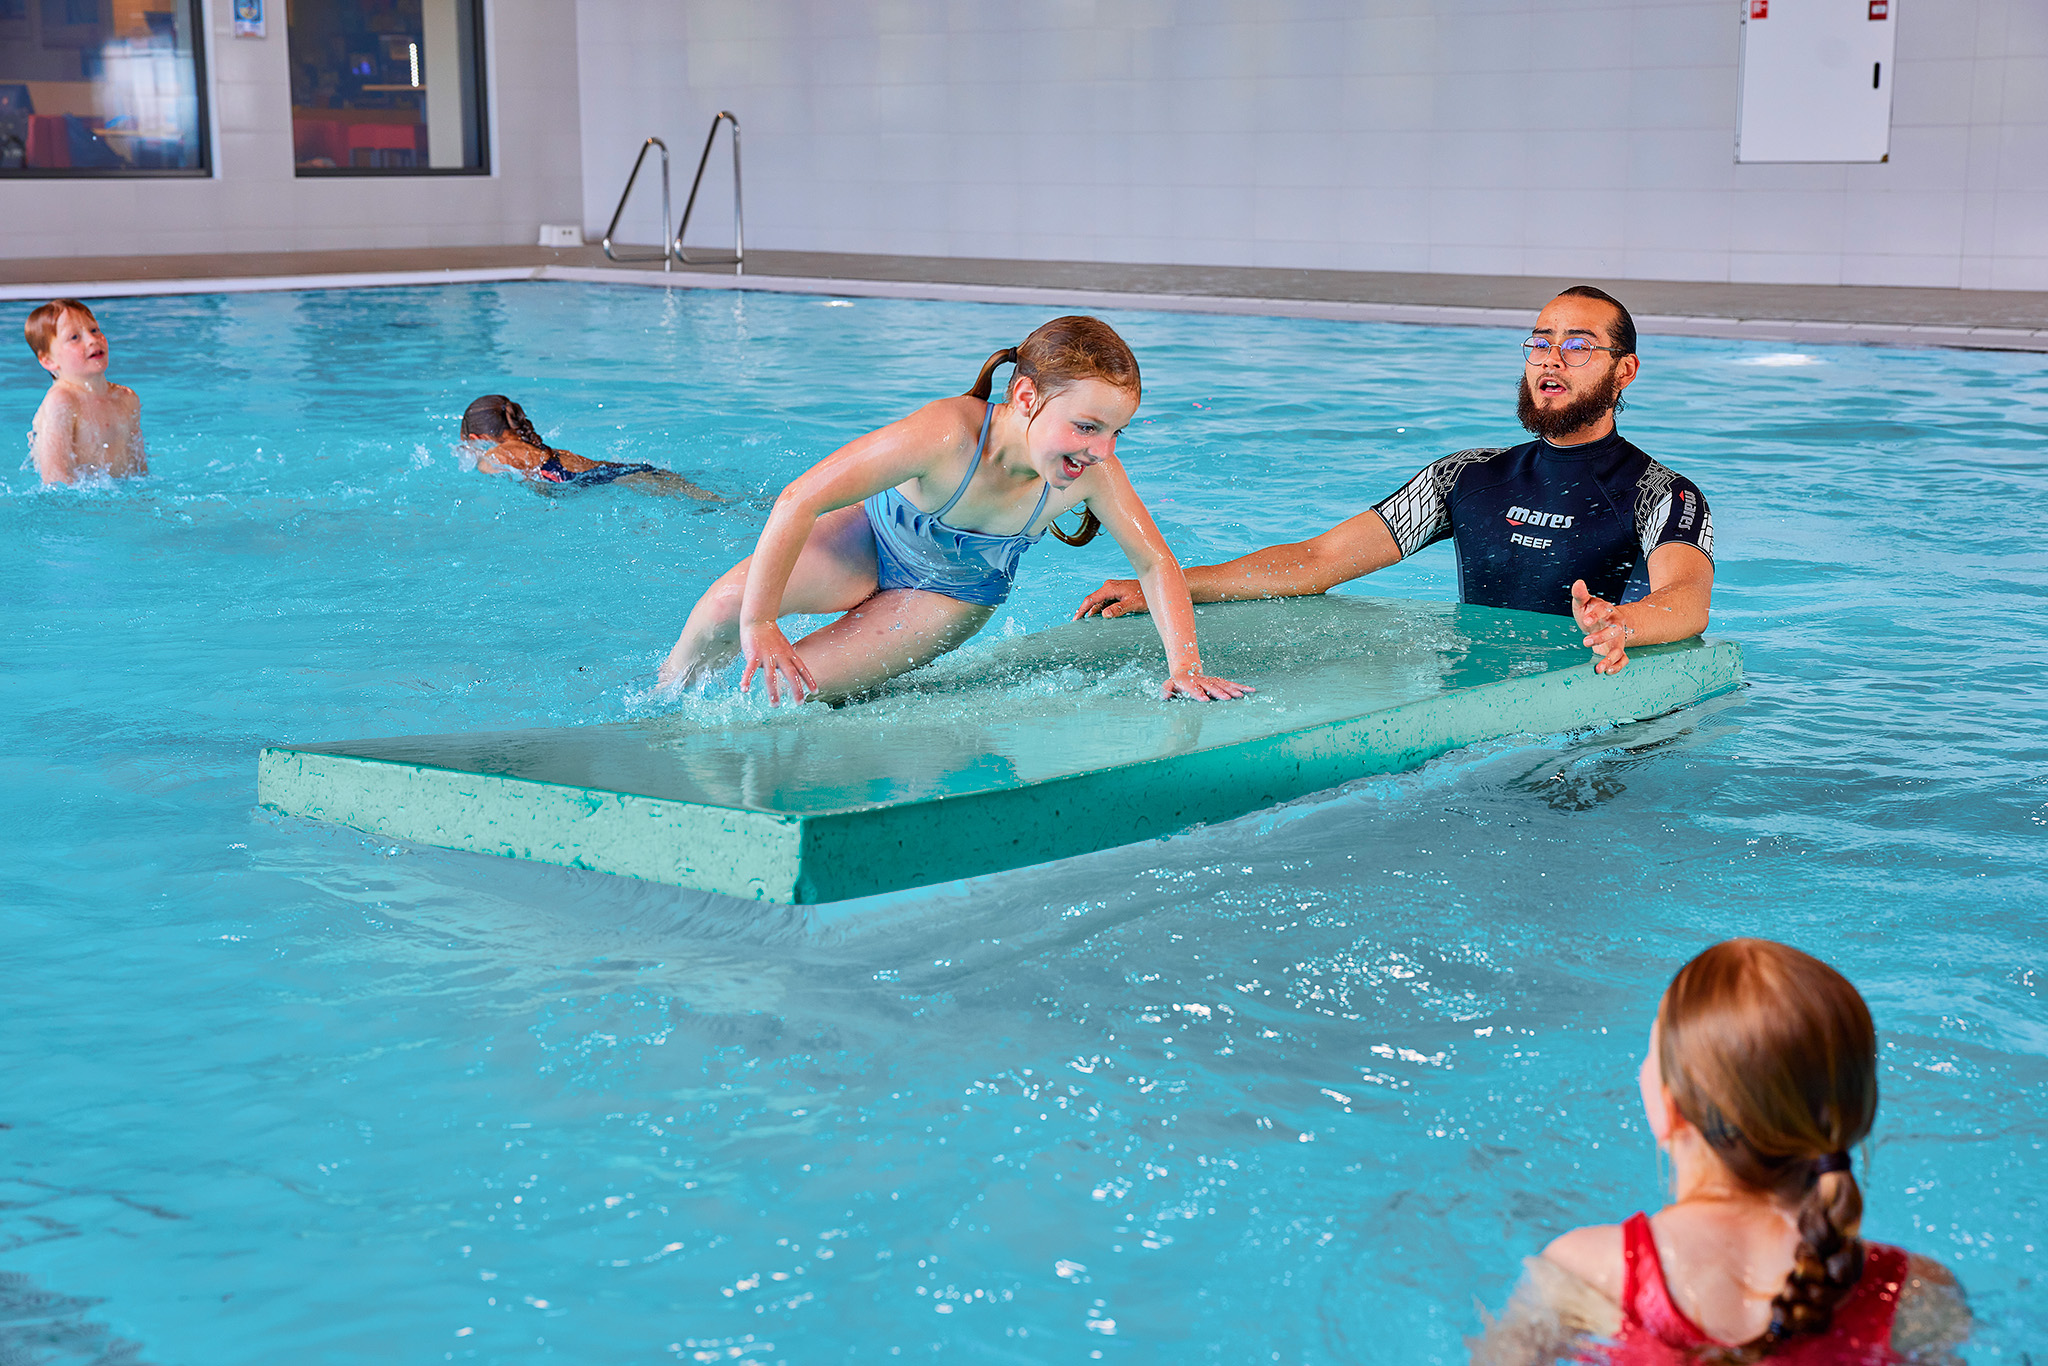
x,y
1297,1088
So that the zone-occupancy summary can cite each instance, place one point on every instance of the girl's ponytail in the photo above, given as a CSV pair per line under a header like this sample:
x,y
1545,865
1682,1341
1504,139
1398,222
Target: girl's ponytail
x,y
1829,1261
1084,533
985,382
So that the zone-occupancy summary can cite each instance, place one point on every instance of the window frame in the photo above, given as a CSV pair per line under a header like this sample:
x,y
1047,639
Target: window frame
x,y
201,85
479,73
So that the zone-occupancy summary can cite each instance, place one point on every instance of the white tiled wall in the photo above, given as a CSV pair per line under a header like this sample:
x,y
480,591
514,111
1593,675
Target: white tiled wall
x,y
1554,137
254,202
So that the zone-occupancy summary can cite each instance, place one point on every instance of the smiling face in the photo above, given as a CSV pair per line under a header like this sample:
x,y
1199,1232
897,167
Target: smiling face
x,y
1559,401
1072,428
78,350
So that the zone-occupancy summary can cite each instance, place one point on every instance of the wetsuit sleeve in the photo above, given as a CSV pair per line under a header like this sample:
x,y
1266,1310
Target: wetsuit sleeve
x,y
1670,507
1419,512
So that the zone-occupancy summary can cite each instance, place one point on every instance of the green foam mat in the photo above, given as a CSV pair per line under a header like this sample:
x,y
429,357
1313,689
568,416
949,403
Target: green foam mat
x,y
1011,753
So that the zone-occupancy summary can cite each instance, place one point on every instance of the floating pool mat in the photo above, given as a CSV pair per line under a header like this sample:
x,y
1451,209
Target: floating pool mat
x,y
1012,752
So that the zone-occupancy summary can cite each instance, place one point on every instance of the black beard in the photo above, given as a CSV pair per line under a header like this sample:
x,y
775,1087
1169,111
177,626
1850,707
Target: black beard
x,y
1580,413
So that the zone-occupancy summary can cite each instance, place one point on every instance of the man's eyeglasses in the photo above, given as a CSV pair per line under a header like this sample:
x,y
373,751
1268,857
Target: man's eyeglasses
x,y
1573,351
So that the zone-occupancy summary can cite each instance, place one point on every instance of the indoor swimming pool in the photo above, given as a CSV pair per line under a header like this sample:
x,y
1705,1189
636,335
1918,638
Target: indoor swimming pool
x,y
1298,1088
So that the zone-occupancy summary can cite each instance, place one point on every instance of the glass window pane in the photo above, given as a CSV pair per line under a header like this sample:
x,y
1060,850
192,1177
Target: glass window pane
x,y
386,86
101,88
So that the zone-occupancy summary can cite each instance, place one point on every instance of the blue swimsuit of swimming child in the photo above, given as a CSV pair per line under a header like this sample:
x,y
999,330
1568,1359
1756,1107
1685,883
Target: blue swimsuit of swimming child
x,y
916,549
603,472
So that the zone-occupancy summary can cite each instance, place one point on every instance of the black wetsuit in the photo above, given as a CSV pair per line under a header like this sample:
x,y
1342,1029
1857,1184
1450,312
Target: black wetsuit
x,y
603,472
1529,519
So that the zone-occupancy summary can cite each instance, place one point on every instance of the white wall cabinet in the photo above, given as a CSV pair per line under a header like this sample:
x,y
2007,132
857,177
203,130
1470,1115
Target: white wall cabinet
x,y
1816,80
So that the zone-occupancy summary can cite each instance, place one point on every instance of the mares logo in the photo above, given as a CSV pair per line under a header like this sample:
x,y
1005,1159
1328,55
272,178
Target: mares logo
x,y
1519,515
1688,509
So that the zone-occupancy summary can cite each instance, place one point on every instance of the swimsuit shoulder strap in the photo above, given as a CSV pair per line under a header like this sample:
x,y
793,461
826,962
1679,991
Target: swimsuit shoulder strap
x,y
1044,496
987,416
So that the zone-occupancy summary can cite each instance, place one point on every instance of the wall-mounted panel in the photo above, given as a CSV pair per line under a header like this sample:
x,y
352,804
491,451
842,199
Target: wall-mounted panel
x,y
1816,80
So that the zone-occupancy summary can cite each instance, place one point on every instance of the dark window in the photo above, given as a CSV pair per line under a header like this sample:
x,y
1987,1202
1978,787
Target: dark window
x,y
387,87
101,88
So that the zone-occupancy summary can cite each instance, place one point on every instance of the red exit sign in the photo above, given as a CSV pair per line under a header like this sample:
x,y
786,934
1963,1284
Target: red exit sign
x,y
1759,9
1880,9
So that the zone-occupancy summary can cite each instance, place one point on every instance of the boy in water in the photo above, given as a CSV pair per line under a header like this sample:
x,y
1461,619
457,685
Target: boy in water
x,y
87,426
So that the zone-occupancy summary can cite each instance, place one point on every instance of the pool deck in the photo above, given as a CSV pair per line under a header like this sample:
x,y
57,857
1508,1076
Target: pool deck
x,y
2003,320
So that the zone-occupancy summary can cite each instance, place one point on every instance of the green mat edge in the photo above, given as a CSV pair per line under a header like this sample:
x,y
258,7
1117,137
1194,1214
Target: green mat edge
x,y
835,856
748,854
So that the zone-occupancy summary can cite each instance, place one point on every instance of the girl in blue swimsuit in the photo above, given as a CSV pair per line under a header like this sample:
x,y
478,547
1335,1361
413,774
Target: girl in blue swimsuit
x,y
913,532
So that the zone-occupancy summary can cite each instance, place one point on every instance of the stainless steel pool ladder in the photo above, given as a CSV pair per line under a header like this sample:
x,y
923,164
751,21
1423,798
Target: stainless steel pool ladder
x,y
612,228
672,245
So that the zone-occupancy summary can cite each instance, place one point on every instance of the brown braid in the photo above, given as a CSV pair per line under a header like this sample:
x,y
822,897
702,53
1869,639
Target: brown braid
x,y
1771,1054
1055,355
494,417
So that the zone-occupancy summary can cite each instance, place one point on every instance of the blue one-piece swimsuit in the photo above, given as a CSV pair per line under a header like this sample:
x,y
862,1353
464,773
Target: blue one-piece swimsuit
x,y
916,549
603,472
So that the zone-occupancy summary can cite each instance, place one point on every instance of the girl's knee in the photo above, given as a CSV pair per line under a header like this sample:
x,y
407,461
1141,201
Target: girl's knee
x,y
719,609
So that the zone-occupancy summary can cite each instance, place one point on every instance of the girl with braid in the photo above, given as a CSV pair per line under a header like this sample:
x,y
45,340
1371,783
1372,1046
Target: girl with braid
x,y
914,532
514,447
1761,1078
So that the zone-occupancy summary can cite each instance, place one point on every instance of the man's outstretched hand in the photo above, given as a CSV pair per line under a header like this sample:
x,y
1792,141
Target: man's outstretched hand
x,y
1116,598
1606,635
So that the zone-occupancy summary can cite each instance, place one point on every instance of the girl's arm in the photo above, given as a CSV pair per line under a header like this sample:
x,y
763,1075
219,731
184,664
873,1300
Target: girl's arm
x,y
1933,1317
502,459
1117,506
1546,1320
882,459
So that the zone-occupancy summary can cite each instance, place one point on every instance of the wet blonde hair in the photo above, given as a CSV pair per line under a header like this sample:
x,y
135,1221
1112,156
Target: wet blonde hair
x,y
1771,1055
1059,353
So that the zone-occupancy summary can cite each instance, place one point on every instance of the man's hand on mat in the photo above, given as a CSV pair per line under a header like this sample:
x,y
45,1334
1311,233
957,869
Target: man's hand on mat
x,y
1203,688
1116,598
769,651
1607,636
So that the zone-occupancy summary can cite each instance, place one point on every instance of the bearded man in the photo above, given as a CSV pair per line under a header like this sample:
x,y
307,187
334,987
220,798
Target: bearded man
x,y
1577,521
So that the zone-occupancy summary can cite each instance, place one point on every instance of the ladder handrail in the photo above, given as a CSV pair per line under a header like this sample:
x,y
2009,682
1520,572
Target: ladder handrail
x,y
738,259
627,193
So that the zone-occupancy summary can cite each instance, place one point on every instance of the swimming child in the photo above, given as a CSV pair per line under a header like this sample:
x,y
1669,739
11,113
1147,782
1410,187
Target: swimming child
x,y
1761,1077
87,425
516,448
914,531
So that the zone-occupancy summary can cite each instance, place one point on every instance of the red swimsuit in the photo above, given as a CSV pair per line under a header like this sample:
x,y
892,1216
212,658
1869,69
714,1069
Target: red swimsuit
x,y
1652,1326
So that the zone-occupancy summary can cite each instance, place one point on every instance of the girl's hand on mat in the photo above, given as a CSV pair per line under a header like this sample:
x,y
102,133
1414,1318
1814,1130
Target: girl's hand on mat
x,y
1116,598
1607,636
1202,688
769,651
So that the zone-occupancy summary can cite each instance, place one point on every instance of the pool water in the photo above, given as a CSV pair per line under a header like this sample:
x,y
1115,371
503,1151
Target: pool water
x,y
1297,1088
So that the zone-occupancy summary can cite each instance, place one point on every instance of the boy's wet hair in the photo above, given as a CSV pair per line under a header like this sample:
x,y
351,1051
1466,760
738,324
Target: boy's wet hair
x,y
41,327
1771,1055
495,417
1062,352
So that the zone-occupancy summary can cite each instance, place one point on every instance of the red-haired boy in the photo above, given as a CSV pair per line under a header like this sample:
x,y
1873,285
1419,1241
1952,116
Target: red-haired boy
x,y
88,426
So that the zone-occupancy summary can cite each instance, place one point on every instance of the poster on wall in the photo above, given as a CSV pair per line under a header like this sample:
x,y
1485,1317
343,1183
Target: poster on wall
x,y
248,18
